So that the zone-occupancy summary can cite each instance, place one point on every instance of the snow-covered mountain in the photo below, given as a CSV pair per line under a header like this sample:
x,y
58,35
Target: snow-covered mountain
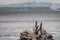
x,y
53,6
28,4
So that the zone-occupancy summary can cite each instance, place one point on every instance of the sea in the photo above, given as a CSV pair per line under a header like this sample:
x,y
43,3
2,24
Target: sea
x,y
12,25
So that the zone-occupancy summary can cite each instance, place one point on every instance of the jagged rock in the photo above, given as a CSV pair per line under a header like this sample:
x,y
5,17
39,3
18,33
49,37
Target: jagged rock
x,y
37,34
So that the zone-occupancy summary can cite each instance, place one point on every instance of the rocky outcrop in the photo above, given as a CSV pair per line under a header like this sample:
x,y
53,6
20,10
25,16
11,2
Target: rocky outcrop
x,y
38,34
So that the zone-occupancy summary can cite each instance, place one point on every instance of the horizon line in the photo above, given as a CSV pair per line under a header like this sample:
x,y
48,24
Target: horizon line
x,y
32,21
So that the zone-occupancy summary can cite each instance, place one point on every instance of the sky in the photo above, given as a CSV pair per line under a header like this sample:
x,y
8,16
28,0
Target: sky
x,y
19,1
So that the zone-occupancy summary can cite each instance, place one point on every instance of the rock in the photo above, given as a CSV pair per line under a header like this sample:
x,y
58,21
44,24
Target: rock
x,y
37,34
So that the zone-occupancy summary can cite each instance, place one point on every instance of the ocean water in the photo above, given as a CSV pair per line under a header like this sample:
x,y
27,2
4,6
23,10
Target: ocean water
x,y
12,30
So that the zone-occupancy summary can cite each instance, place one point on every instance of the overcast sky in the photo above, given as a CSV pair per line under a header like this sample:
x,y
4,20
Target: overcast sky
x,y
18,1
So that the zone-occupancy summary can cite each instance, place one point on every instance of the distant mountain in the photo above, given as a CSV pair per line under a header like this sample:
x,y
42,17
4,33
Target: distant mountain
x,y
53,6
28,4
